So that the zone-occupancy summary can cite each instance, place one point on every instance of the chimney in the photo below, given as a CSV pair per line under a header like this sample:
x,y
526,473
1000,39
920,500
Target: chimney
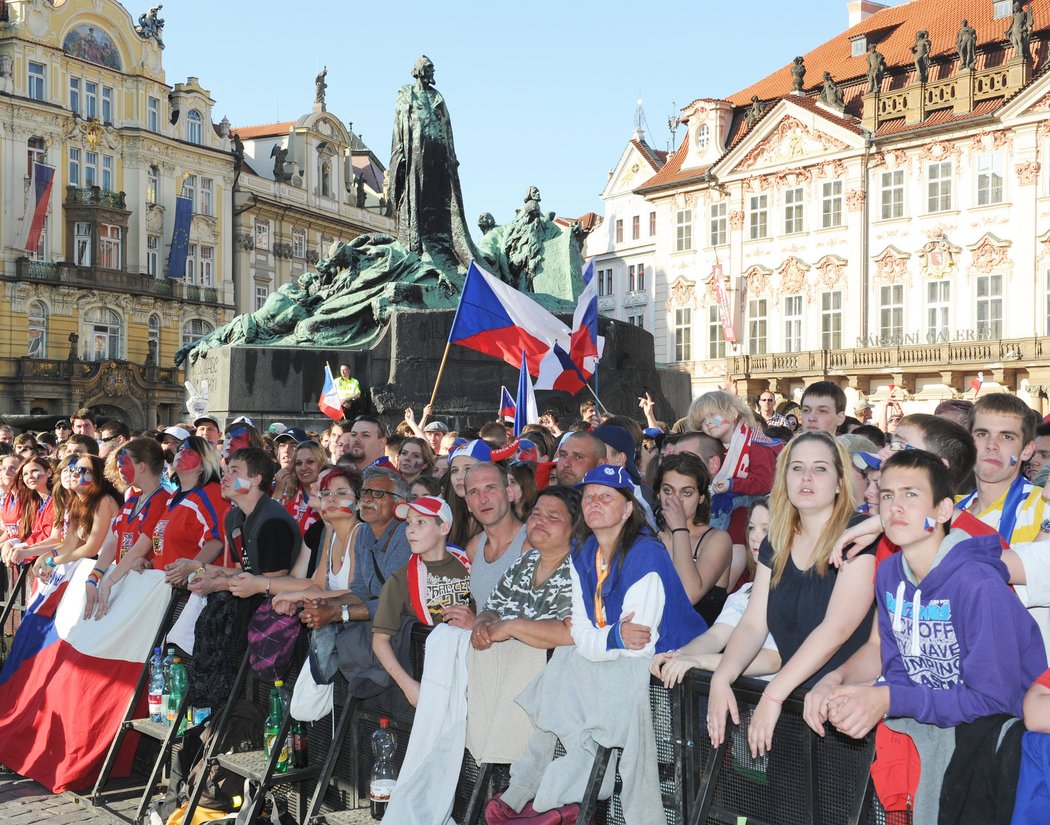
x,y
861,10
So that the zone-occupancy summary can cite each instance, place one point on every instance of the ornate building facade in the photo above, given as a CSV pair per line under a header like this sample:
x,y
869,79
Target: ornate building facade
x,y
877,213
90,316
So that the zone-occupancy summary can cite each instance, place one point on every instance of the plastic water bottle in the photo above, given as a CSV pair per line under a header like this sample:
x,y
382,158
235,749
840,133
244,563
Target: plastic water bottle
x,y
384,773
273,728
178,684
166,696
157,688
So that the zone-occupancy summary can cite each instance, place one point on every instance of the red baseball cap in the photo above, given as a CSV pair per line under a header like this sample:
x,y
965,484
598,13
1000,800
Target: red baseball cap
x,y
431,506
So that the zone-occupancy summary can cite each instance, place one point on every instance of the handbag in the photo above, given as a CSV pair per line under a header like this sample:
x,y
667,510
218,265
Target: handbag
x,y
497,811
271,642
310,700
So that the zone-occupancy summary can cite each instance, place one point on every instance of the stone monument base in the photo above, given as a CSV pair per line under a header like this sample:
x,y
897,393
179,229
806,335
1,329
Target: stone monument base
x,y
282,384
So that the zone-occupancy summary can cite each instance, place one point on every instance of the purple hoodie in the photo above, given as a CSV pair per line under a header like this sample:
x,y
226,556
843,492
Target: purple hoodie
x,y
974,650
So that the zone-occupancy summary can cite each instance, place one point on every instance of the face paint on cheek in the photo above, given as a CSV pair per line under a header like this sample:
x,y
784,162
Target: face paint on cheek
x,y
929,525
126,466
1013,460
348,506
85,480
241,485
717,421
186,460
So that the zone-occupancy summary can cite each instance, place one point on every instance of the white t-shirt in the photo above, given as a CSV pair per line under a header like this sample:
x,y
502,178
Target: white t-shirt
x,y
733,612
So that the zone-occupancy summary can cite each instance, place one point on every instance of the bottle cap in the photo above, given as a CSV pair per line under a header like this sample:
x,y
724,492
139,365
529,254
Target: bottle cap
x,y
279,683
156,650
176,659
383,722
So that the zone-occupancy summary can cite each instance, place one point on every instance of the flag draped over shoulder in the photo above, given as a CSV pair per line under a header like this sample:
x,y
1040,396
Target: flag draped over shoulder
x,y
43,180
67,681
180,238
329,402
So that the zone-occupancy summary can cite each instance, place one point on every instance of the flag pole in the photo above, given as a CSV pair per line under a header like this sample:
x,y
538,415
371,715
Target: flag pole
x,y
441,369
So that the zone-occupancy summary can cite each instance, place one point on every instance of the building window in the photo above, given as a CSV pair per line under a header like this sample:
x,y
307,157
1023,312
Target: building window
x,y
261,294
82,244
990,178
831,320
298,243
325,164
683,240
703,136
153,114
195,329
107,173
104,334
262,235
37,88
619,231
893,194
90,100
716,342
36,152
757,320
191,264
939,186
630,278
153,186
652,224
717,235
74,167
194,126
608,282
107,104
831,204
37,330
109,244
938,307
891,314
636,227
153,255
758,224
90,169
793,210
793,323
207,266
683,334
41,253
601,282
857,46
990,306
74,95
189,189
640,272
207,200
1001,9
154,336
636,320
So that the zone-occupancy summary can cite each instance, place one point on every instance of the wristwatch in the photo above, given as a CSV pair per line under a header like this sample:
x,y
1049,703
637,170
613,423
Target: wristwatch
x,y
1045,526
346,613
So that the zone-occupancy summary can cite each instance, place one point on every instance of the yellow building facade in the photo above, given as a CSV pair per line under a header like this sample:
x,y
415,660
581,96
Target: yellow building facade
x,y
89,314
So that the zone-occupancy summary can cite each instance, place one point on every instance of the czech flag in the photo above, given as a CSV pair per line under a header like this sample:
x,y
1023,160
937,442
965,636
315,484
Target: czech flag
x,y
525,412
496,319
558,371
977,383
43,180
586,346
507,408
67,681
328,403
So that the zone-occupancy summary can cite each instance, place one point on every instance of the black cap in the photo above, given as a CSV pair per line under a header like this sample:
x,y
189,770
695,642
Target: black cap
x,y
63,423
295,434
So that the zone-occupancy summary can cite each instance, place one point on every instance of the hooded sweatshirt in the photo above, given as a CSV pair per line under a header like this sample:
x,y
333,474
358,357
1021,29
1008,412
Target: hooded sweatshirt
x,y
959,645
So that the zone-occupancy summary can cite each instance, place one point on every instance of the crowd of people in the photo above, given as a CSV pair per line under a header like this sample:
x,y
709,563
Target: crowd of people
x,y
895,576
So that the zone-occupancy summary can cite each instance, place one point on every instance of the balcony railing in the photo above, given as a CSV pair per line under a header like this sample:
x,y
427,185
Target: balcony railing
x,y
95,196
112,279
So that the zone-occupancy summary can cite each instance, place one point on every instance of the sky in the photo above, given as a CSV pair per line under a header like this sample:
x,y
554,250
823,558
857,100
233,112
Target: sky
x,y
539,93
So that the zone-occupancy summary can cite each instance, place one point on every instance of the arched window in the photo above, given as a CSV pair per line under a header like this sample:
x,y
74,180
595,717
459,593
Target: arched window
x,y
194,330
37,330
154,337
703,136
195,127
105,334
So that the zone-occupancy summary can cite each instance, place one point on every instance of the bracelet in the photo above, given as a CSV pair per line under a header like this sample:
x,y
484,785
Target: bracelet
x,y
771,699
200,571
50,561
267,588
93,583
679,530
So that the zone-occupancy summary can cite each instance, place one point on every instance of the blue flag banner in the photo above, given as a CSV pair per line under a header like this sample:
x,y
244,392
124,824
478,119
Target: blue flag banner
x,y
180,238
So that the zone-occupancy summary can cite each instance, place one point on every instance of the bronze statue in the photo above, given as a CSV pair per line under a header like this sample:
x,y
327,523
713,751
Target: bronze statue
x,y
360,195
486,223
320,86
966,43
876,68
151,24
424,175
278,153
831,94
798,74
1020,32
921,50
754,111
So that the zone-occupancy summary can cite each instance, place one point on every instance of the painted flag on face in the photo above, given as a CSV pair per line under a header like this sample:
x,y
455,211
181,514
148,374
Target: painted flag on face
x,y
329,400
507,409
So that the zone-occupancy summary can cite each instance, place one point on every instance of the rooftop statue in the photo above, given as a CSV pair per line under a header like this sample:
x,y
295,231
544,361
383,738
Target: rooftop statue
x,y
1022,21
348,300
798,74
921,50
966,43
876,68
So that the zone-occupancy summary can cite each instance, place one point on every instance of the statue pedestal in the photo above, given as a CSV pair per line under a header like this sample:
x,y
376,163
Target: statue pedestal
x,y
284,383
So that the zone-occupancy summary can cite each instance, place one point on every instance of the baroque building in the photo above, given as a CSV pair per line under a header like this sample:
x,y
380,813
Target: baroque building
x,y
876,213
91,316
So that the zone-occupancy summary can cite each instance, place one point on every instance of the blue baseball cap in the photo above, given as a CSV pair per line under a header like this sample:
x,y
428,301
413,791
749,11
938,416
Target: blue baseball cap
x,y
866,461
608,475
481,451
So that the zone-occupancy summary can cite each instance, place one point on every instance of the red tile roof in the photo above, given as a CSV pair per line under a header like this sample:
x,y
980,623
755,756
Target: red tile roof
x,y
893,30
588,221
653,157
265,130
671,173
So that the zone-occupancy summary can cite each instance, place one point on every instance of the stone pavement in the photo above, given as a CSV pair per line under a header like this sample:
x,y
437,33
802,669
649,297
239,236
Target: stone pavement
x,y
24,802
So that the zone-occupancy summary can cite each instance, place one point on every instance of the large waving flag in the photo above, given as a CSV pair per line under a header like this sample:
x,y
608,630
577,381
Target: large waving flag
x,y
496,319
67,681
43,180
586,345
525,410
329,402
507,407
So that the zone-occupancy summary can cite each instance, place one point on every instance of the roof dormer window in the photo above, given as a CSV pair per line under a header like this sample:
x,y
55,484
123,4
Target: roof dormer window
x,y
1001,9
858,45
703,137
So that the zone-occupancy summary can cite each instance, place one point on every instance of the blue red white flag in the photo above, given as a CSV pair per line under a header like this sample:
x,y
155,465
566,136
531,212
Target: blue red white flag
x,y
498,320
329,402
558,371
507,408
526,412
67,681
586,345
43,180
180,238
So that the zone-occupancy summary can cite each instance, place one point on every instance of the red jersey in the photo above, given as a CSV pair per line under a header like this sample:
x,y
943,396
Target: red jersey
x,y
301,511
189,520
129,525
9,514
43,521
